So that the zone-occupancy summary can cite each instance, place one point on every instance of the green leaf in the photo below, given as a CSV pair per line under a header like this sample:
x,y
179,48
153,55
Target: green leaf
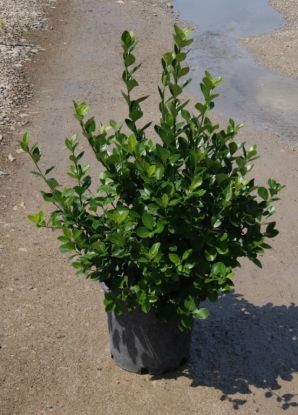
x,y
81,110
131,84
210,255
154,250
263,193
128,38
160,170
165,200
168,58
174,258
186,322
151,170
148,220
201,313
71,142
119,215
109,303
38,218
49,170
132,142
116,238
175,89
183,71
197,181
129,59
219,268
215,222
114,125
35,153
271,232
143,232
36,173
190,304
180,57
160,226
25,142
67,247
186,254
52,183
90,126
146,306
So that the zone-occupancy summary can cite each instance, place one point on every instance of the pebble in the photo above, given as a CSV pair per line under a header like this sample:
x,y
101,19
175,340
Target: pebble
x,y
23,249
11,157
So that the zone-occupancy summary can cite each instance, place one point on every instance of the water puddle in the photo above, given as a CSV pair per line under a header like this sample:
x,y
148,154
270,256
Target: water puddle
x,y
249,93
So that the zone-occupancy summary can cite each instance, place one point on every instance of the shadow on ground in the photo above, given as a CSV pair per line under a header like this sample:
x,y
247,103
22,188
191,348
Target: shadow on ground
x,y
242,345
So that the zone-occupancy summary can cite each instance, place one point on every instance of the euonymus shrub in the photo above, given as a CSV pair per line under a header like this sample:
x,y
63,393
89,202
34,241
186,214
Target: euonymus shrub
x,y
170,219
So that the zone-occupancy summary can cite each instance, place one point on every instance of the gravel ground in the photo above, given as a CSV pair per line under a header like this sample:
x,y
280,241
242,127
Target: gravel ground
x,y
278,50
17,19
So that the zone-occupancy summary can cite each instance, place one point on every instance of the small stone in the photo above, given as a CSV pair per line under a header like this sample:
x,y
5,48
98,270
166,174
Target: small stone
x,y
120,2
11,157
23,249
2,173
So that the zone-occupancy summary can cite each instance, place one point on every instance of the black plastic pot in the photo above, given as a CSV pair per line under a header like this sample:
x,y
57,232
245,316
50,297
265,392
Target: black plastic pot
x,y
141,343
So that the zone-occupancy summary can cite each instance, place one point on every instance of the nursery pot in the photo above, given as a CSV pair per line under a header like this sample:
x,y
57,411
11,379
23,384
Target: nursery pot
x,y
142,343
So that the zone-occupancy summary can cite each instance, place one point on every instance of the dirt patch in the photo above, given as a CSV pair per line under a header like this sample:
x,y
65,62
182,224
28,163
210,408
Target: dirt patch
x,y
278,50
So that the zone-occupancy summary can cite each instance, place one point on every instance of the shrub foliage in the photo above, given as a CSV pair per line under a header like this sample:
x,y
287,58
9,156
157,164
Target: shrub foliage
x,y
171,217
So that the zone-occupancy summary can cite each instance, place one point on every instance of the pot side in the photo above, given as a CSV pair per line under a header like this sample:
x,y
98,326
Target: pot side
x,y
142,343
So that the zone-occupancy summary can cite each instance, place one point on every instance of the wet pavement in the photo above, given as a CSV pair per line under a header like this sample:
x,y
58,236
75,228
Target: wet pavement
x,y
249,93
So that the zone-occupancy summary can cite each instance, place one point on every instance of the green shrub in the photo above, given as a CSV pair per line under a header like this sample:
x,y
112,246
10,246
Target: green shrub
x,y
171,217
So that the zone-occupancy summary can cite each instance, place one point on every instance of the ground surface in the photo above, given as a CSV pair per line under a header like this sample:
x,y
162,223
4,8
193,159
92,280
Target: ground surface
x,y
17,19
54,355
278,50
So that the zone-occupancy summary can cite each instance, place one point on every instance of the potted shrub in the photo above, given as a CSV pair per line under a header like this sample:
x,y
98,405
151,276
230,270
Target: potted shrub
x,y
170,219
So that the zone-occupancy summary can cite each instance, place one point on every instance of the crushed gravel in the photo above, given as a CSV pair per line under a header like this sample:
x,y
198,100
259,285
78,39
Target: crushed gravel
x,y
17,19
